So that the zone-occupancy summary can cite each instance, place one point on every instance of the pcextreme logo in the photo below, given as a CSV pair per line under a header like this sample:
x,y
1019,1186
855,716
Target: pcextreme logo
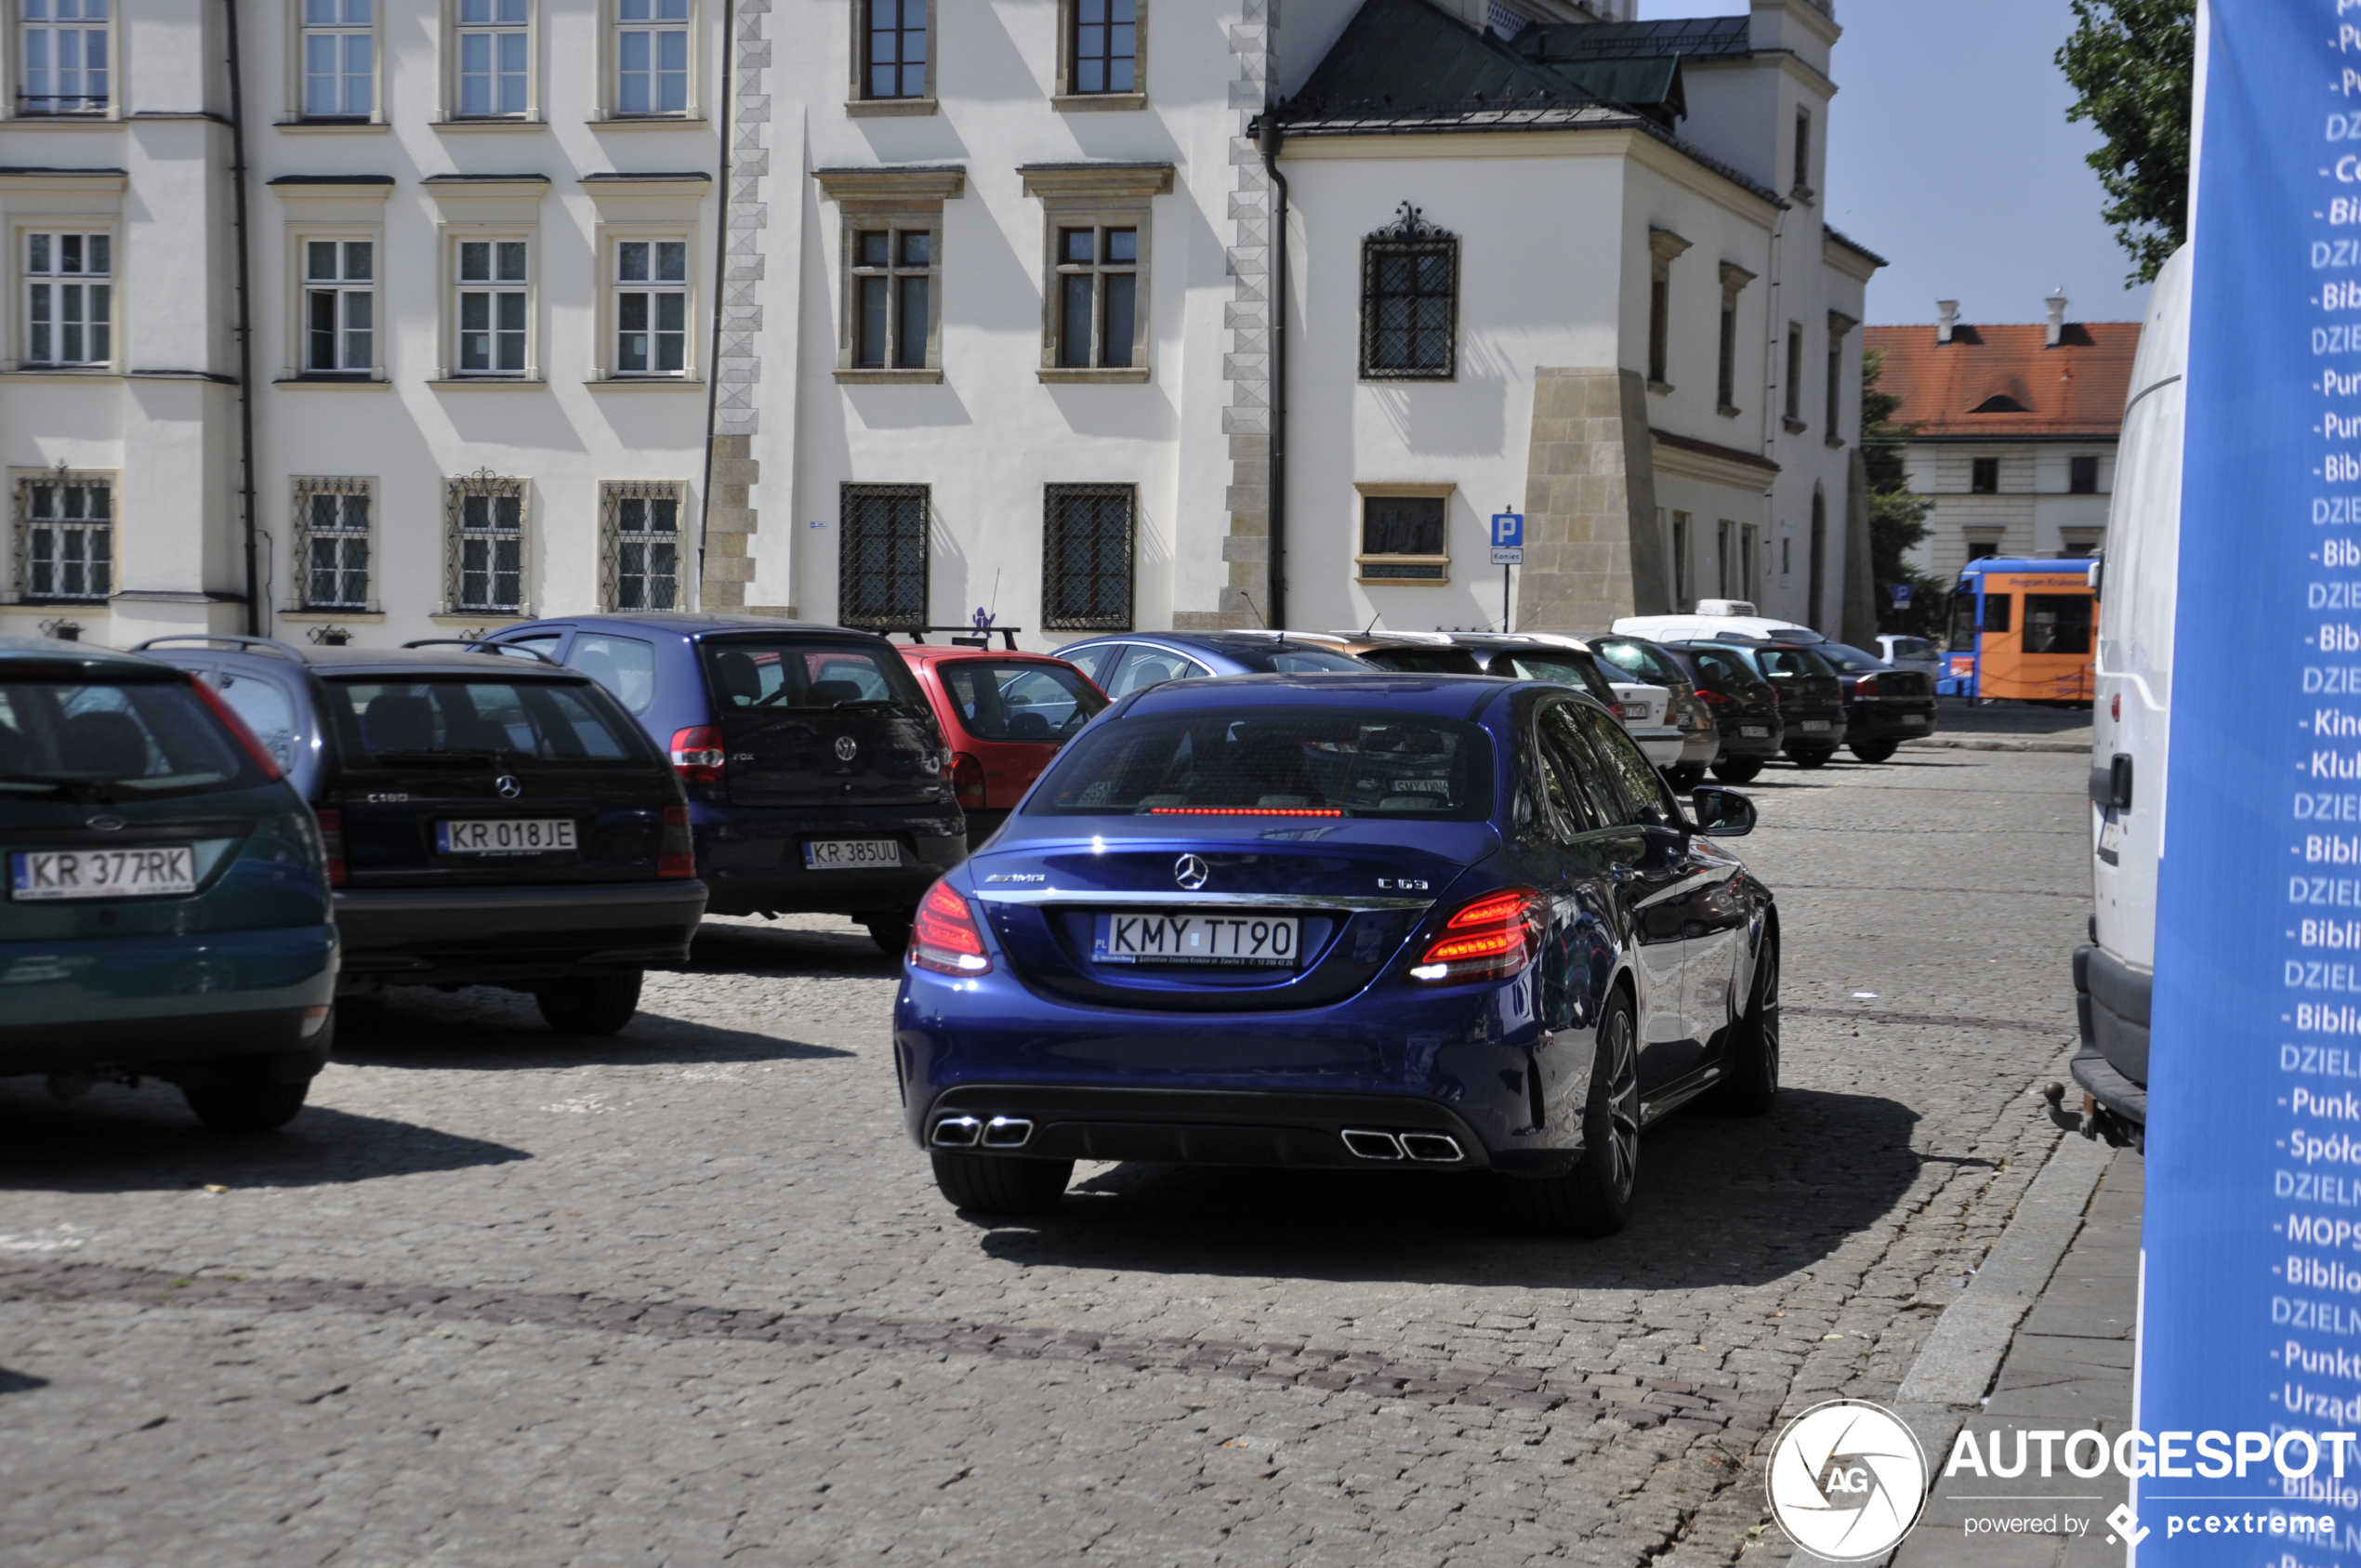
x,y
1847,1480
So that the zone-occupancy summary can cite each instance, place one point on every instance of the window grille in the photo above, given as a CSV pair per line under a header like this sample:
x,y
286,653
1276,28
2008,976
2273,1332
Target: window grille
x,y
1409,302
484,544
1086,558
639,555
331,542
881,564
64,543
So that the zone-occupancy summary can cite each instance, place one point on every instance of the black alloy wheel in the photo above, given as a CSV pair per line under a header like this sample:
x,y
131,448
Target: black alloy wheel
x,y
1000,1184
890,928
1594,1198
1875,751
1737,769
1752,1082
1684,776
1811,756
600,1005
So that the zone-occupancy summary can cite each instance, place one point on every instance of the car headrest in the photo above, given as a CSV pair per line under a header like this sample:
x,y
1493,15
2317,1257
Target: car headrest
x,y
398,721
741,681
108,744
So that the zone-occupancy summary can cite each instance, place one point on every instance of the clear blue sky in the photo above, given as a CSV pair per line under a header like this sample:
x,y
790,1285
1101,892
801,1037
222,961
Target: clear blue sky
x,y
1950,155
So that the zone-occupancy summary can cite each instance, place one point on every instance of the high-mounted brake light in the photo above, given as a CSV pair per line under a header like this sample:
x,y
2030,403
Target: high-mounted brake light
x,y
699,754
1490,938
943,938
247,737
1243,812
677,852
332,843
967,781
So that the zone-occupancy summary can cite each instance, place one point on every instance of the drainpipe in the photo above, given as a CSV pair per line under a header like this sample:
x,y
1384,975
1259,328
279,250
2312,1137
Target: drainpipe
x,y
246,323
1277,588
720,282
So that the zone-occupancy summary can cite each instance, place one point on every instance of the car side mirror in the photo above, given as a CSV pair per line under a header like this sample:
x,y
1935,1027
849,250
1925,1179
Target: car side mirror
x,y
1723,813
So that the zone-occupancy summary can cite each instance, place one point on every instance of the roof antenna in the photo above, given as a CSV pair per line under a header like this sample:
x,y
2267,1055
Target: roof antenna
x,y
1373,622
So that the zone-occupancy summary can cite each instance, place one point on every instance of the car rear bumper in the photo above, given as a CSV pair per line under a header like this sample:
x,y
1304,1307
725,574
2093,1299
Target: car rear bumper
x,y
438,935
1735,744
2111,1006
1831,737
1662,745
1700,746
1865,722
1205,1127
133,1002
752,859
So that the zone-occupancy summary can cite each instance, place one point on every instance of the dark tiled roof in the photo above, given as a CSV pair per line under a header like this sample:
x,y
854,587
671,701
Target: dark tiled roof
x,y
1692,38
2076,389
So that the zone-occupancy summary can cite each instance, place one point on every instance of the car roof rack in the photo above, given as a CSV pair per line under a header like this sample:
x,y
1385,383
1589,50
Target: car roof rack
x,y
969,637
484,645
269,644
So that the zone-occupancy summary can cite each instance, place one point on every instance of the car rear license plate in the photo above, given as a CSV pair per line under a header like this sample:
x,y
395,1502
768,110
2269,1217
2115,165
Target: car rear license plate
x,y
1754,729
1251,942
852,854
511,835
1913,718
38,876
1812,724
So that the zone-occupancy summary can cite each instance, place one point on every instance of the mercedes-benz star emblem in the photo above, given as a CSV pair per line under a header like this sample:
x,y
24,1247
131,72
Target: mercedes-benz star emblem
x,y
846,746
1190,872
507,786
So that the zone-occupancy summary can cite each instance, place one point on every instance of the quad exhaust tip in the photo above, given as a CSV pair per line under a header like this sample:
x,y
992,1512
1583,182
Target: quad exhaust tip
x,y
967,1132
1425,1148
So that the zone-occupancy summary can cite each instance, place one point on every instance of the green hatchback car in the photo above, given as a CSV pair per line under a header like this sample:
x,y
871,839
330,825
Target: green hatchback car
x,y
167,909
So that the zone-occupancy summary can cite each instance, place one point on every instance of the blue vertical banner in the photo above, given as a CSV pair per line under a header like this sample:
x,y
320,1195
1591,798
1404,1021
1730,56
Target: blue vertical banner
x,y
2251,1328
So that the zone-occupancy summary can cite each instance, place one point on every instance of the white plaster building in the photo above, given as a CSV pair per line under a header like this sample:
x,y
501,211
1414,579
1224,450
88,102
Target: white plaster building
x,y
477,249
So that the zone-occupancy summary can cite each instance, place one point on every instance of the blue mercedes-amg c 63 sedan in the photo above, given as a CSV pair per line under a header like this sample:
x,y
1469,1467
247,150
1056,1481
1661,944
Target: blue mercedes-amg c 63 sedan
x,y
1447,923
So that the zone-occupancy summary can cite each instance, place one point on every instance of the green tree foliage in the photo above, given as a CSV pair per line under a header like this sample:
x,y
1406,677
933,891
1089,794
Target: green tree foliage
x,y
2133,62
1897,514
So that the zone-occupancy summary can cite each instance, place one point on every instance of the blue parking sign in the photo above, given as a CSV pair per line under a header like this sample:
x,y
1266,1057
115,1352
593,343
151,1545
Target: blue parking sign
x,y
1507,530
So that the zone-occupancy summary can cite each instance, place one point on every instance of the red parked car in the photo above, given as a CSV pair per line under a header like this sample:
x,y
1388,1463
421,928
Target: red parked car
x,y
1004,713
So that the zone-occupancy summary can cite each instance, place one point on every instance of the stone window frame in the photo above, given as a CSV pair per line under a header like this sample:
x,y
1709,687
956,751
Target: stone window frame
x,y
488,207
1051,566
339,208
1839,326
1408,234
1099,196
1734,279
303,488
1442,491
900,200
1664,248
22,481
1062,95
857,103
39,201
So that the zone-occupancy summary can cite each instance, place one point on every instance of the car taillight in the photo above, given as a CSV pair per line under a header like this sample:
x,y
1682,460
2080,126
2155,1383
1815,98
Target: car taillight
x,y
1491,937
332,843
1865,686
698,754
1715,698
246,738
677,854
967,781
943,938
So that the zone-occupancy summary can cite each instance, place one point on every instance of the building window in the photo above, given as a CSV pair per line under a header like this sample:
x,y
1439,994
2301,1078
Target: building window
x,y
1813,607
484,544
1984,549
339,59
68,298
495,305
2080,541
1726,561
1086,557
896,49
65,536
1750,564
1983,476
892,298
2084,480
1098,296
339,306
1404,538
1837,327
495,52
1802,192
641,561
65,49
1105,47
1409,302
1733,282
652,306
652,56
1795,375
1683,569
331,540
881,560
1663,249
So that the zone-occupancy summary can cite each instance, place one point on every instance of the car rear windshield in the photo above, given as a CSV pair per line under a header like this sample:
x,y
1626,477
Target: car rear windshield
x,y
1851,660
92,738
1640,659
1330,763
1564,670
391,721
1782,663
1296,660
1424,660
1019,699
1724,672
769,673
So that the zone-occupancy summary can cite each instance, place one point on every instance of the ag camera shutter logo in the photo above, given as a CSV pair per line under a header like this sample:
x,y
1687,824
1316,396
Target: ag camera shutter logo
x,y
1847,1480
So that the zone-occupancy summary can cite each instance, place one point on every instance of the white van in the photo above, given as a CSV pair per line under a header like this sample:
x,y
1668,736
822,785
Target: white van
x,y
1713,617
2131,721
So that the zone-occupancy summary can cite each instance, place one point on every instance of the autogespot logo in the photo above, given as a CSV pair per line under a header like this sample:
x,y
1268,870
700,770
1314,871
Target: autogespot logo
x,y
1847,1480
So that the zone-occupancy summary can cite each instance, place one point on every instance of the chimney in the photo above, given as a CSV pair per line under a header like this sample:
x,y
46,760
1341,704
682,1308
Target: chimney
x,y
2057,303
1949,311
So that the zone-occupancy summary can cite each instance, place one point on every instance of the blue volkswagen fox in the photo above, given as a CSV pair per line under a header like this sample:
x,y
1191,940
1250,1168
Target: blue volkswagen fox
x,y
1434,922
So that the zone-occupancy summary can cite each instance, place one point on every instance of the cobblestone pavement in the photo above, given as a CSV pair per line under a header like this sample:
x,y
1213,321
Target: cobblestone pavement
x,y
687,1296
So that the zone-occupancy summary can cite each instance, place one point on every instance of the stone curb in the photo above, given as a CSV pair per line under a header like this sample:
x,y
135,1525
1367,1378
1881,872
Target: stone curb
x,y
1997,742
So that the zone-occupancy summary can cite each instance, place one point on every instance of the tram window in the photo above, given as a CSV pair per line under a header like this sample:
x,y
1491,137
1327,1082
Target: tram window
x,y
2057,623
1963,621
1996,607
